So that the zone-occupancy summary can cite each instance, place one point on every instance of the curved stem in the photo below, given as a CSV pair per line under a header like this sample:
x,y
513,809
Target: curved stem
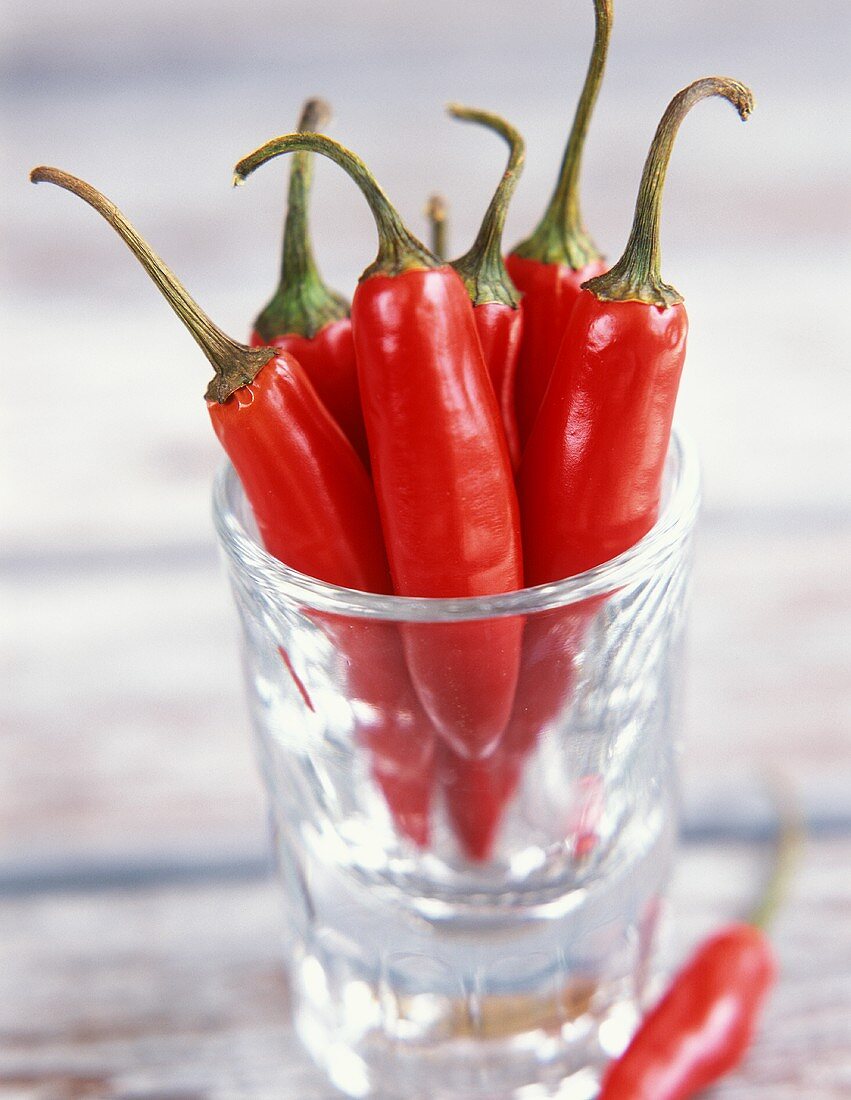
x,y
235,364
790,839
561,236
483,268
398,249
637,274
437,212
302,303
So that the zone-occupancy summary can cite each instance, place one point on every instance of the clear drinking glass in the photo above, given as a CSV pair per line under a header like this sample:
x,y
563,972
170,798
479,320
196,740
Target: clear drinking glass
x,y
463,928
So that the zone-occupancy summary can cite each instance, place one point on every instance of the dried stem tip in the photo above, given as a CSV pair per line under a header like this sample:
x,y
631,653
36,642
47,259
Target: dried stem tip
x,y
235,365
398,249
637,274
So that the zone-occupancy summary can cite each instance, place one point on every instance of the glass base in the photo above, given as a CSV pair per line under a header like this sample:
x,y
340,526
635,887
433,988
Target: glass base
x,y
528,1006
493,1048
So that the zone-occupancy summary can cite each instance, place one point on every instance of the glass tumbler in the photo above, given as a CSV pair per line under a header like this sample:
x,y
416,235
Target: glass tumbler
x,y
461,925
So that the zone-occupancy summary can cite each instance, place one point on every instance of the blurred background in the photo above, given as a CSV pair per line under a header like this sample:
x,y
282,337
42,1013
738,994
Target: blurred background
x,y
137,924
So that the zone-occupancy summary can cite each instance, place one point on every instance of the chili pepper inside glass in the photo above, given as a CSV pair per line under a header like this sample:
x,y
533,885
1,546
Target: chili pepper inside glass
x,y
469,926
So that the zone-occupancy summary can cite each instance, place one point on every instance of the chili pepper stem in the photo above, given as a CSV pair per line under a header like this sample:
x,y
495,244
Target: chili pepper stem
x,y
637,274
302,303
398,249
561,236
482,268
235,365
437,212
788,845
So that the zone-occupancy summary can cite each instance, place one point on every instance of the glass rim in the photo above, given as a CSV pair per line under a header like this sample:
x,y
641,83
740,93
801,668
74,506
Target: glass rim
x,y
274,578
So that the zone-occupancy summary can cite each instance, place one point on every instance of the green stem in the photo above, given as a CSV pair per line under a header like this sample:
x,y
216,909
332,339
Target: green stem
x,y
637,274
398,249
790,838
483,268
302,303
561,236
437,212
235,365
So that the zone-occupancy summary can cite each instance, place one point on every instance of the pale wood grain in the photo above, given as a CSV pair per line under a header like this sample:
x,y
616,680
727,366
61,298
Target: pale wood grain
x,y
124,749
178,992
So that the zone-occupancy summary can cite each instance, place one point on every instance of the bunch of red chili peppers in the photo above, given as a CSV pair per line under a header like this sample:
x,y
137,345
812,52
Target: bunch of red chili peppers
x,y
462,429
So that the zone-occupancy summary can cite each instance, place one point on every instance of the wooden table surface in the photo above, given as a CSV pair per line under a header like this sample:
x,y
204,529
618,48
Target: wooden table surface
x,y
138,924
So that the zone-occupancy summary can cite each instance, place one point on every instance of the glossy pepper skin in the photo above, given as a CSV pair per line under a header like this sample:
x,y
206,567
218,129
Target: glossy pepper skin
x,y
551,265
479,792
440,462
445,492
549,294
310,493
473,788
306,318
704,1024
328,359
592,470
496,302
440,465
500,330
591,475
315,509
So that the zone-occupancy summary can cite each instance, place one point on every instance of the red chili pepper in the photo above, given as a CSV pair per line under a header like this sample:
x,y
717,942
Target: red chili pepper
x,y
703,1025
315,510
496,303
552,264
705,1022
440,464
478,792
591,477
305,317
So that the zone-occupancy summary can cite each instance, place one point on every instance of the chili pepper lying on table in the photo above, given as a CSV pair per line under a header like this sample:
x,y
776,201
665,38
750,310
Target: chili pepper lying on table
x,y
705,1022
496,303
559,256
591,477
305,317
440,464
315,509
